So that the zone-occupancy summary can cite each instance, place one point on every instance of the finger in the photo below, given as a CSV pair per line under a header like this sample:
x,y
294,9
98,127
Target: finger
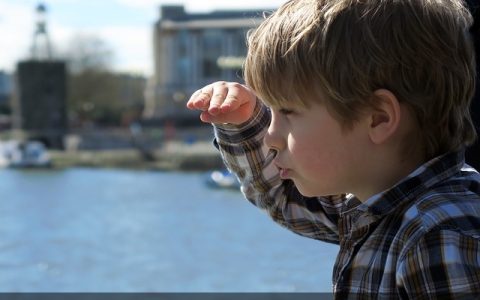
x,y
193,99
209,118
218,97
231,118
218,119
202,98
237,96
206,117
231,103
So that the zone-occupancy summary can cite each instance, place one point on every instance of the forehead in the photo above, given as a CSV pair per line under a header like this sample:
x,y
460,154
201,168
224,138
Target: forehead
x,y
277,96
284,103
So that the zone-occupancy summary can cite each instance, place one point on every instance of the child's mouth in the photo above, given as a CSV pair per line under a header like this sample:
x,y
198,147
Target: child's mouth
x,y
284,173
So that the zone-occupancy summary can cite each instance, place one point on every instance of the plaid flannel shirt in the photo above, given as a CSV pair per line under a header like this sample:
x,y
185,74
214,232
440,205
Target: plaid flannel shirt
x,y
418,240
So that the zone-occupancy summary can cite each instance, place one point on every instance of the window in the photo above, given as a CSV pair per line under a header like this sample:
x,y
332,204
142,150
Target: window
x,y
212,50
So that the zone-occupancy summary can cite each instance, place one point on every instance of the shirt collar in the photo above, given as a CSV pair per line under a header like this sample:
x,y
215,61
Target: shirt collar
x,y
416,183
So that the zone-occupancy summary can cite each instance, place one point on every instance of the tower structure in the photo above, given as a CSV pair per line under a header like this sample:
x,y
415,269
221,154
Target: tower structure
x,y
41,46
40,106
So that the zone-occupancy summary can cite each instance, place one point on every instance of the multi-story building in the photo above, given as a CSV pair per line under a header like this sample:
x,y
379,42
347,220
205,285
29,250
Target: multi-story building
x,y
40,105
192,50
5,88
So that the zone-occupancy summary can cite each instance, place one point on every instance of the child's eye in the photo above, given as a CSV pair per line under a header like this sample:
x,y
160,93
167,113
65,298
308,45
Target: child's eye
x,y
285,111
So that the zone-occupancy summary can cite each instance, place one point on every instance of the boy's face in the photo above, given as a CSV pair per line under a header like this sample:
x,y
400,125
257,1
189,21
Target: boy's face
x,y
314,151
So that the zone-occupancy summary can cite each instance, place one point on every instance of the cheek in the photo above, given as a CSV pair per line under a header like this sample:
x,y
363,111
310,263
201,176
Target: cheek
x,y
311,155
321,155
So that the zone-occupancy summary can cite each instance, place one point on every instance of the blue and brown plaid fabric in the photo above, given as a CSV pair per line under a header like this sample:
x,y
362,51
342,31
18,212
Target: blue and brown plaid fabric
x,y
418,240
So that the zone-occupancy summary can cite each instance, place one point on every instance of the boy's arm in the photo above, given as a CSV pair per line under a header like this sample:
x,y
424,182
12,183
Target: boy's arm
x,y
444,264
245,154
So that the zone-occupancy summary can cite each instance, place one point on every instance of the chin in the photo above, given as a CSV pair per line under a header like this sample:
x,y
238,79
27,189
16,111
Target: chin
x,y
307,192
311,192
310,195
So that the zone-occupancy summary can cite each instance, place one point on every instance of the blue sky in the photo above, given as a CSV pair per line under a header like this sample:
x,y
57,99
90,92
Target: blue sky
x,y
124,25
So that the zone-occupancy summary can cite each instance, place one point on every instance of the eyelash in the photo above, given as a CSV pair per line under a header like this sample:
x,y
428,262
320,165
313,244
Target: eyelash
x,y
285,111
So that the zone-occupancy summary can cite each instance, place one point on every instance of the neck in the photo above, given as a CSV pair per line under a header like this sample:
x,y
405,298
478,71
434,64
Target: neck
x,y
387,172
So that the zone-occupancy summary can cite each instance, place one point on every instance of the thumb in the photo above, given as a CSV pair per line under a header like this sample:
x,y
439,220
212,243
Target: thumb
x,y
231,118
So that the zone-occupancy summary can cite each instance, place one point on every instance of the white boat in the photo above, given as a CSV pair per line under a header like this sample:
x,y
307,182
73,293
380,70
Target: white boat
x,y
222,180
19,154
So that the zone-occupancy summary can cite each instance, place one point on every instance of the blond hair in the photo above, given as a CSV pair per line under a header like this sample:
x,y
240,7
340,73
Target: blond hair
x,y
338,52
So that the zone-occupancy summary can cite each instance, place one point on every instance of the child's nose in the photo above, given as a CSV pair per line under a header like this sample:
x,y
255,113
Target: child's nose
x,y
273,139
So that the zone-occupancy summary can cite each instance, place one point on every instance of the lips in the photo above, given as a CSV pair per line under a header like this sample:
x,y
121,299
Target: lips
x,y
283,172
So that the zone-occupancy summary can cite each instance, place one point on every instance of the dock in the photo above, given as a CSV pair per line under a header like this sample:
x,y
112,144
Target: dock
x,y
173,156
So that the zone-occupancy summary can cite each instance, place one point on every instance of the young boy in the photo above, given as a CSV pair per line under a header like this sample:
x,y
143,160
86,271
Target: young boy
x,y
358,140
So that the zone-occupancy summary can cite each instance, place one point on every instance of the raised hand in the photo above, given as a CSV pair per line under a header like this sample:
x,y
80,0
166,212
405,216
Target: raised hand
x,y
223,102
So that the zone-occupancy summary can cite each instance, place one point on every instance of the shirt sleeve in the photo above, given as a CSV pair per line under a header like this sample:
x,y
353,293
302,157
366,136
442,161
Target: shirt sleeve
x,y
444,264
245,154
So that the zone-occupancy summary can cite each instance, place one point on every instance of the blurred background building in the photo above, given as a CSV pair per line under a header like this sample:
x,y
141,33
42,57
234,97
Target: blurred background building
x,y
5,87
75,95
40,103
192,50
6,90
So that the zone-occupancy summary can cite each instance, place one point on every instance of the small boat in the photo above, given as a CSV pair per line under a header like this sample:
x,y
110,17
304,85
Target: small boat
x,y
19,154
222,180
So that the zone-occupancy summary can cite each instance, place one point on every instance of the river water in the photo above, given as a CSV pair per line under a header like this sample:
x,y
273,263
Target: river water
x,y
97,230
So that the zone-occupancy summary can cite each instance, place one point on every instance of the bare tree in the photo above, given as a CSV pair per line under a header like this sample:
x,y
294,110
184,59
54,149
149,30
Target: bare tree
x,y
92,86
88,52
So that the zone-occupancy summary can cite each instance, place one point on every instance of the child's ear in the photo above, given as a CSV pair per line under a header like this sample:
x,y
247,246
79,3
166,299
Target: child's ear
x,y
384,119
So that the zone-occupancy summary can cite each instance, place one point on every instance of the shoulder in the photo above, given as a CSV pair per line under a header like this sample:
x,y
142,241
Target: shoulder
x,y
441,234
453,204
447,210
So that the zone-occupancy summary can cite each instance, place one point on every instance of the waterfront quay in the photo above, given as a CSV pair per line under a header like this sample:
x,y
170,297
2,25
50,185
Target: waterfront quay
x,y
171,156
166,148
161,148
